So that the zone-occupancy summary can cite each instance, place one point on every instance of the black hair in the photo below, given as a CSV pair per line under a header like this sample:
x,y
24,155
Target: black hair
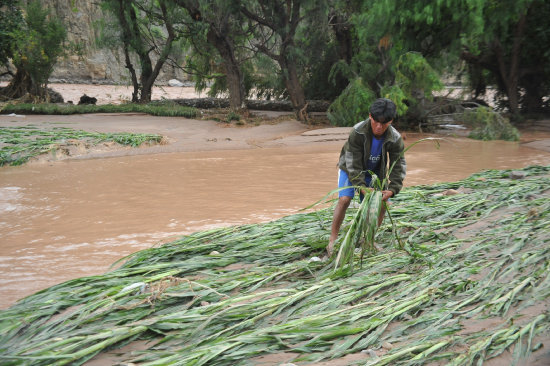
x,y
383,110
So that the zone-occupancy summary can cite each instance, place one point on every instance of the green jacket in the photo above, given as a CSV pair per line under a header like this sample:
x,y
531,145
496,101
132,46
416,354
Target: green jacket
x,y
356,151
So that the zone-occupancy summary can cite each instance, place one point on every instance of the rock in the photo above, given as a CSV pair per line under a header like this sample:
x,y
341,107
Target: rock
x,y
53,96
315,259
87,100
175,82
387,345
370,352
464,190
450,192
517,174
214,252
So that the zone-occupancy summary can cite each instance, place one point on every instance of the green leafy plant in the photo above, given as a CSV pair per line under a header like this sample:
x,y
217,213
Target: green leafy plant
x,y
487,125
37,45
232,116
352,105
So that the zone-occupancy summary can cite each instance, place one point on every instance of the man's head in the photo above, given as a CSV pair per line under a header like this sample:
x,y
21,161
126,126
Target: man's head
x,y
381,113
383,110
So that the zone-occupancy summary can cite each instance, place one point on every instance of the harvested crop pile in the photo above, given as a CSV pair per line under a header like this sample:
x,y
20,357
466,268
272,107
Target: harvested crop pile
x,y
475,286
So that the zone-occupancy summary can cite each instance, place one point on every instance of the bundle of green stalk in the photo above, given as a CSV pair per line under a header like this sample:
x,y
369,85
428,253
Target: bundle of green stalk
x,y
361,232
475,285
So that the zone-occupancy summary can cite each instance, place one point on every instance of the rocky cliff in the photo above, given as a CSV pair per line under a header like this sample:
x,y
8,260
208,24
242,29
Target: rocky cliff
x,y
96,64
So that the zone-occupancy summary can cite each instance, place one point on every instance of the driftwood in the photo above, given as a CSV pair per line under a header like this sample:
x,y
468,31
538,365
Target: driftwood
x,y
262,105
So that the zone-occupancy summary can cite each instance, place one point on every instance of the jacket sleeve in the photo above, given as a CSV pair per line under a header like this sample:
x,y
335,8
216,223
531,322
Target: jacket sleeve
x,y
353,159
397,174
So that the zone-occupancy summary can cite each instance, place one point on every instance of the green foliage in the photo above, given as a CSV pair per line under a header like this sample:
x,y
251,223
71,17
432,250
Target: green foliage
x,y
416,77
489,125
318,53
398,96
19,144
38,44
352,105
153,108
387,65
11,21
507,54
146,31
217,49
232,116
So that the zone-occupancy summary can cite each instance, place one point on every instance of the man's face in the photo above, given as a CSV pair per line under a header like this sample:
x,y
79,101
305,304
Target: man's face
x,y
379,128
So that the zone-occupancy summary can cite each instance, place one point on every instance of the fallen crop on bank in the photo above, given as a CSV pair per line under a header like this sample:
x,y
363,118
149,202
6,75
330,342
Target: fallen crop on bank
x,y
19,144
473,284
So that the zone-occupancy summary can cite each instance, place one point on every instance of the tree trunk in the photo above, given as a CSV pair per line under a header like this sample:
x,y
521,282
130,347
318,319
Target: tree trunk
x,y
126,39
146,90
293,86
233,72
133,76
510,74
533,99
342,32
22,84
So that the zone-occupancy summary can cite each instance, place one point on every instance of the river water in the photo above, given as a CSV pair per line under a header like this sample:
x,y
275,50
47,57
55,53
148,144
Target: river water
x,y
74,218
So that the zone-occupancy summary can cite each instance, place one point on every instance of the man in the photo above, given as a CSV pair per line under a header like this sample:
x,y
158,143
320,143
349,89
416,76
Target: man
x,y
372,145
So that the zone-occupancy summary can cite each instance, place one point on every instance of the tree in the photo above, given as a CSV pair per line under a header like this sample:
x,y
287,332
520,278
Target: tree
x,y
534,73
381,64
11,21
147,31
499,40
226,32
277,23
322,41
509,53
36,46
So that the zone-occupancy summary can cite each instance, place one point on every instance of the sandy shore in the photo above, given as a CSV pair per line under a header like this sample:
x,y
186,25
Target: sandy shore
x,y
117,94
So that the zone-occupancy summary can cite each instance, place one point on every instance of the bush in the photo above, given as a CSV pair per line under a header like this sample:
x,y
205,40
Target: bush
x,y
232,116
352,105
488,125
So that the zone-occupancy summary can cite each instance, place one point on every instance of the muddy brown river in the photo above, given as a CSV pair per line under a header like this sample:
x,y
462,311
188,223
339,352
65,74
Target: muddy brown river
x,y
66,219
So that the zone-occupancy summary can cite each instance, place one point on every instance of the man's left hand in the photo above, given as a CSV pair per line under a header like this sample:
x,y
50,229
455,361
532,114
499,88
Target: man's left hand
x,y
386,195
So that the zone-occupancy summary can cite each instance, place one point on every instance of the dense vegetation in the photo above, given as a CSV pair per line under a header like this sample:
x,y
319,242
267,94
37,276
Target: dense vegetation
x,y
348,52
474,283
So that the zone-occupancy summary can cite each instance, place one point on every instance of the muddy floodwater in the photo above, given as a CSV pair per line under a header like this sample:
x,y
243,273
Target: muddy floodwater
x,y
66,219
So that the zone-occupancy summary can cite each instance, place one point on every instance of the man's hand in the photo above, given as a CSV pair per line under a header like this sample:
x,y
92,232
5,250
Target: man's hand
x,y
386,195
365,189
